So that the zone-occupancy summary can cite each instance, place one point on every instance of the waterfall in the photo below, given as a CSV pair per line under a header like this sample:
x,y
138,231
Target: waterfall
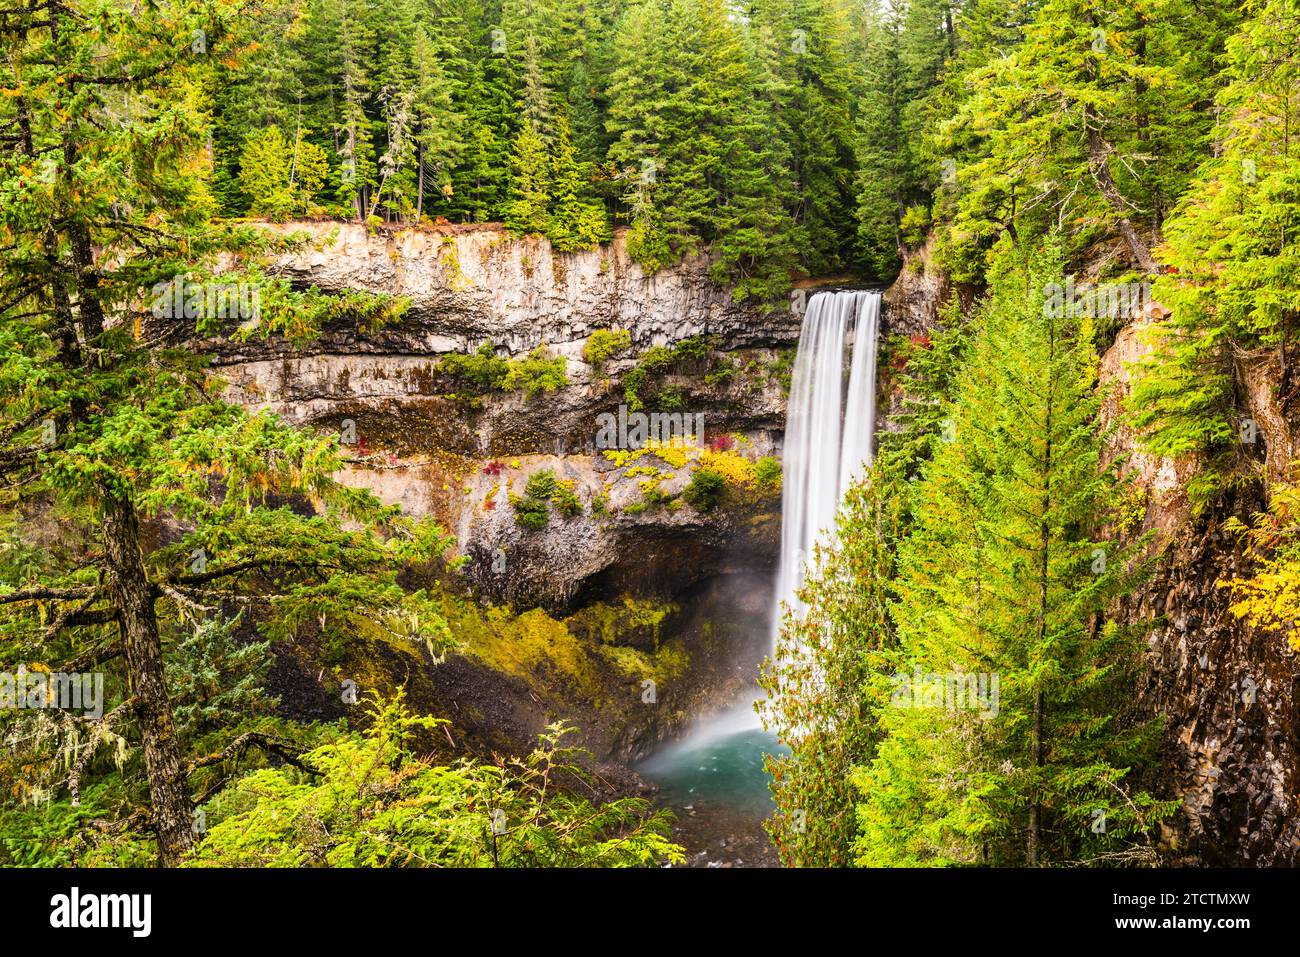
x,y
829,428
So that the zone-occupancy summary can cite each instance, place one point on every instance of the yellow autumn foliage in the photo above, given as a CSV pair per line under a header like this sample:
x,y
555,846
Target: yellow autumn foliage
x,y
1270,599
731,465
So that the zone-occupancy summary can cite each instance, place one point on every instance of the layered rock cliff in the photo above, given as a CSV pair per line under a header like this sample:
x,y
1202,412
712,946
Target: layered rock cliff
x,y
424,437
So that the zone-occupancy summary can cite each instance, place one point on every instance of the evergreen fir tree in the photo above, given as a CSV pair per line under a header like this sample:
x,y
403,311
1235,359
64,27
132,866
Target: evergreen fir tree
x,y
528,210
112,435
1001,576
437,125
1234,281
881,181
575,221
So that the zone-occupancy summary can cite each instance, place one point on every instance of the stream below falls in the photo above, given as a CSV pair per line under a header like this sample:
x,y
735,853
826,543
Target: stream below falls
x,y
715,782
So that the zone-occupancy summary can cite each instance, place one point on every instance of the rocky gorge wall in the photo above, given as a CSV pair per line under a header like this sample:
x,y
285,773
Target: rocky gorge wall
x,y
426,440
423,440
1227,690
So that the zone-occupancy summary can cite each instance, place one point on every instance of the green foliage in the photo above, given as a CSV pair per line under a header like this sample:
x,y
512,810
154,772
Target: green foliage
x,y
541,484
566,499
59,834
1234,285
532,374
1085,124
706,490
370,800
482,368
820,683
781,369
543,490
278,178
532,512
603,344
528,210
925,368
1269,598
657,361
999,575
767,472
691,110
788,137
575,221
535,373
106,428
915,225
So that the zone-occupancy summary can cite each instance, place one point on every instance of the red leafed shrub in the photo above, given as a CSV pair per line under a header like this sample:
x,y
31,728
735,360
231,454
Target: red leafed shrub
x,y
721,443
921,341
493,468
489,504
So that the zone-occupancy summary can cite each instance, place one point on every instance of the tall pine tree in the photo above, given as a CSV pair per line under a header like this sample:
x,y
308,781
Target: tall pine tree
x,y
1005,575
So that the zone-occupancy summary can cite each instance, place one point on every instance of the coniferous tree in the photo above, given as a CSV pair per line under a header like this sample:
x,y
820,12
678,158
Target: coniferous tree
x,y
881,181
1065,122
1234,282
575,221
695,143
821,702
109,433
1002,576
437,125
535,107
813,113
480,180
529,206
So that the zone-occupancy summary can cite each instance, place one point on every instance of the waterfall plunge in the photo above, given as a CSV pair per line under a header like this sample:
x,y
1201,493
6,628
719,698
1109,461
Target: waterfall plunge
x,y
828,445
828,431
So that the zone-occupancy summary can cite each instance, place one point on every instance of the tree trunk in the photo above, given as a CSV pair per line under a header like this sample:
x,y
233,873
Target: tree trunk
x,y
133,593
1035,804
1098,154
172,812
1034,843
419,190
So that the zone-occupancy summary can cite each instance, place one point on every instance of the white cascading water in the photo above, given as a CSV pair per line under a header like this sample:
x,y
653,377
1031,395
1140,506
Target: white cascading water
x,y
830,423
829,430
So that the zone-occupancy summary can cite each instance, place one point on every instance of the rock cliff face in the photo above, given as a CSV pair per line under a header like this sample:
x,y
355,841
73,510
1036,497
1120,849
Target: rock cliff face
x,y
467,284
426,439
422,441
911,304
1226,690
